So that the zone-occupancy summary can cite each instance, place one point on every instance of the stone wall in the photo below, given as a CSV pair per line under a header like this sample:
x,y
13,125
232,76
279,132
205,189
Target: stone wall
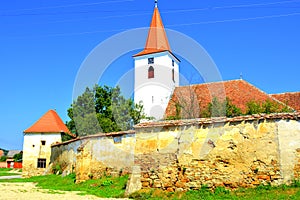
x,y
186,154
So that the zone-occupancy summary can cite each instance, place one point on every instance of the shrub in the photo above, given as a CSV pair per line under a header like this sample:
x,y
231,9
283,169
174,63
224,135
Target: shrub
x,y
56,169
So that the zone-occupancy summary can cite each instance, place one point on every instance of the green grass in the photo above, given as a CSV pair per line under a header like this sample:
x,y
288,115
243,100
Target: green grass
x,y
105,187
5,169
6,172
260,193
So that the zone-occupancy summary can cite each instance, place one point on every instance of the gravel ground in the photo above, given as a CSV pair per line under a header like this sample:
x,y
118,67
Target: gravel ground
x,y
24,191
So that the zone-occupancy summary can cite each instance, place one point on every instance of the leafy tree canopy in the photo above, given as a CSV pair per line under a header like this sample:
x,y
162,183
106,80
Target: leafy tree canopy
x,y
3,158
103,109
18,157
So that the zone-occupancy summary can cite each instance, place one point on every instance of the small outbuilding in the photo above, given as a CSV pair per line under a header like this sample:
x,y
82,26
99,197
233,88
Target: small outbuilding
x,y
38,139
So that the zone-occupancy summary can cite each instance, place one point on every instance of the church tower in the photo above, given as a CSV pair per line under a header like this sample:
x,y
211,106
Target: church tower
x,y
156,70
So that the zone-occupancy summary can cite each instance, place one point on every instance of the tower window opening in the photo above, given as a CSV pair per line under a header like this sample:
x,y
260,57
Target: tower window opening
x,y
173,75
151,60
152,99
151,72
173,63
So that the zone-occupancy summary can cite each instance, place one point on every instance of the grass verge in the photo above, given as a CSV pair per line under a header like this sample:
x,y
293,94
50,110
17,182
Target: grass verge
x,y
6,172
261,192
104,187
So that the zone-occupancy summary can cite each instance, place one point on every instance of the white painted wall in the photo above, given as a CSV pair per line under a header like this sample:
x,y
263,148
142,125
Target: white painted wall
x,y
155,92
33,149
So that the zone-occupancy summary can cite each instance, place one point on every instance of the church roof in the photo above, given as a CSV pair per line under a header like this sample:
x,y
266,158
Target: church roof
x,y
292,99
197,97
157,40
50,122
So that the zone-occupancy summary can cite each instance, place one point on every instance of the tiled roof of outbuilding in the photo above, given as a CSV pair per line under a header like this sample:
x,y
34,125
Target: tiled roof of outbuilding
x,y
50,122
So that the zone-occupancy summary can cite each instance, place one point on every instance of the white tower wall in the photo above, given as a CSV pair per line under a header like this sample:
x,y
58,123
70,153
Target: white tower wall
x,y
154,93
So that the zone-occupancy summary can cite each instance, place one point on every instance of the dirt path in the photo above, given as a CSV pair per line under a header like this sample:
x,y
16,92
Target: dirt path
x,y
24,191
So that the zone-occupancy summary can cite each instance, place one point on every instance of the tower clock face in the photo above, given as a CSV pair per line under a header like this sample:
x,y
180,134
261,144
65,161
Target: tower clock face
x,y
151,60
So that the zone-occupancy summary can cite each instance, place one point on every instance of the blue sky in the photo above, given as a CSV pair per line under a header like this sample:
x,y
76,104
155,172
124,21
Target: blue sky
x,y
43,43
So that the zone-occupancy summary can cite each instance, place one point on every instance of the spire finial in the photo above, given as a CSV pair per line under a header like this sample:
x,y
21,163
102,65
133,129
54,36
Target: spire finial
x,y
155,3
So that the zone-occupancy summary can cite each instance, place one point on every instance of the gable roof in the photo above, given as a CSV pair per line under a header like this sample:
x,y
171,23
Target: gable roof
x,y
157,40
11,153
50,122
291,99
195,98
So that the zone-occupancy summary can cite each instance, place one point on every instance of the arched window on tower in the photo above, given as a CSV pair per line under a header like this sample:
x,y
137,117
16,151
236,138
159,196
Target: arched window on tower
x,y
151,72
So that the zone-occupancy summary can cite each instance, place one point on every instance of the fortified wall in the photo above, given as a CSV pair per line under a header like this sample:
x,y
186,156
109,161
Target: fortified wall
x,y
186,154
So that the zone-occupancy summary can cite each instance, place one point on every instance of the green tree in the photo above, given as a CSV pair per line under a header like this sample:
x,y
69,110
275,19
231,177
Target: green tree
x,y
18,157
266,107
3,158
103,109
219,108
253,107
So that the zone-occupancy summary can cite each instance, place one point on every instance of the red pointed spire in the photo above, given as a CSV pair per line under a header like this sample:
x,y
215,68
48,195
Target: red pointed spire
x,y
157,40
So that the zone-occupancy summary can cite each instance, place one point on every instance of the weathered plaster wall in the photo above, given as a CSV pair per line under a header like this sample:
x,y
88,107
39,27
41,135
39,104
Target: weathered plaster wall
x,y
33,149
289,139
96,155
185,154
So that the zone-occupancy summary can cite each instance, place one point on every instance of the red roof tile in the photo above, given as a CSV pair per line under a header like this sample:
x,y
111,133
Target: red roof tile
x,y
196,98
50,122
292,99
157,40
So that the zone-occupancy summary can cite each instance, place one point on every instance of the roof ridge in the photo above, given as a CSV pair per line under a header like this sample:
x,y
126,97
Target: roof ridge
x,y
286,93
57,120
271,97
207,83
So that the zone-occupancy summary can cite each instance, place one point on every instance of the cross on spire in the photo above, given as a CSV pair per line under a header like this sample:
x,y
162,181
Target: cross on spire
x,y
156,3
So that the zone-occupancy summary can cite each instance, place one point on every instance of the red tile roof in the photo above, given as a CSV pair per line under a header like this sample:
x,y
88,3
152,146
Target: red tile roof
x,y
50,122
157,40
195,98
292,99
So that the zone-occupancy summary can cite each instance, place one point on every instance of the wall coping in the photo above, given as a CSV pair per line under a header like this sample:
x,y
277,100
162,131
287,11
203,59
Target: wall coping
x,y
97,135
206,121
